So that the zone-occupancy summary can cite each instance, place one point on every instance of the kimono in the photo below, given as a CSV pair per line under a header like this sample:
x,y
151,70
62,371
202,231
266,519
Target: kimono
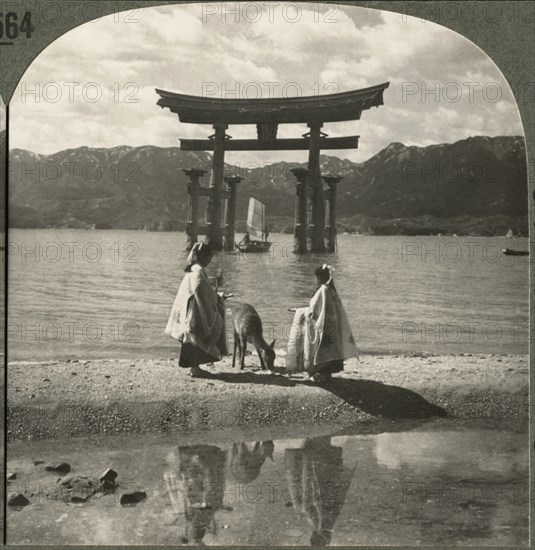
x,y
197,320
320,336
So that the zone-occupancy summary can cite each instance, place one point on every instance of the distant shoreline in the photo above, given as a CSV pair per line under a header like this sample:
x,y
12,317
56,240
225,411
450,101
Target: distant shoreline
x,y
356,234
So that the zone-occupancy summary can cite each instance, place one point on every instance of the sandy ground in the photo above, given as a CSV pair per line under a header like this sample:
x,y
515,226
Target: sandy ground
x,y
79,397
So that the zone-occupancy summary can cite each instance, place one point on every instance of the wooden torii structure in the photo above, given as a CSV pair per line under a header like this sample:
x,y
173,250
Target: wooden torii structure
x,y
267,114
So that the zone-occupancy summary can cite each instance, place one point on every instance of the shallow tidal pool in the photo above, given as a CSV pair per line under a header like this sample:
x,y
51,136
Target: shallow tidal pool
x,y
446,482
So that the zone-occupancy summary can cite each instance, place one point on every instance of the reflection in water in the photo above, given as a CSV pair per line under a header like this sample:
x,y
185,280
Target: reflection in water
x,y
246,464
318,484
439,484
202,471
202,480
485,456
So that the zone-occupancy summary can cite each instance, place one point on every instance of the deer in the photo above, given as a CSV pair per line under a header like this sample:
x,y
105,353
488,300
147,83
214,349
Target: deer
x,y
245,464
248,328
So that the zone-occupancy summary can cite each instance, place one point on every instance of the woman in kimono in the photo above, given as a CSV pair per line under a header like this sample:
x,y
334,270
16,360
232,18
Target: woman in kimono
x,y
320,337
197,318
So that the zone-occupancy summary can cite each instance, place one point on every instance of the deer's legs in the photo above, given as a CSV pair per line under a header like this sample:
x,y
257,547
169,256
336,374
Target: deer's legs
x,y
243,345
236,347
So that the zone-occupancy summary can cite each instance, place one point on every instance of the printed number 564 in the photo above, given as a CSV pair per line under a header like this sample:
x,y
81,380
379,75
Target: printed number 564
x,y
10,26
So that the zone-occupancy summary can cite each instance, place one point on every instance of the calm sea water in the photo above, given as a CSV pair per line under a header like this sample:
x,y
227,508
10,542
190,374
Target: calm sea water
x,y
98,294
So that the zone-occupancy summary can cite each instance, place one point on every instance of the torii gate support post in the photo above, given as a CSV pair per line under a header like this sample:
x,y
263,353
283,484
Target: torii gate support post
x,y
300,234
230,217
332,182
192,226
213,207
316,188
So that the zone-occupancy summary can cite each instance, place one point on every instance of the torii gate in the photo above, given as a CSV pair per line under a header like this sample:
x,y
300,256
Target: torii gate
x,y
267,114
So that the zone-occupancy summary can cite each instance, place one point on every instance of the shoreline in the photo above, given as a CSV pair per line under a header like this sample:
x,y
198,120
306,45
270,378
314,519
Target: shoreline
x,y
280,357
89,397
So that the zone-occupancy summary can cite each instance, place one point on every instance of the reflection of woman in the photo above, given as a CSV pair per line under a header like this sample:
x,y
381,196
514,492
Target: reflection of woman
x,y
202,470
197,318
318,484
321,338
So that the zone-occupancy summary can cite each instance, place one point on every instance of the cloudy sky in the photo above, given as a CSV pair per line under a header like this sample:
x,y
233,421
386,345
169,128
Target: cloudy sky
x,y
95,85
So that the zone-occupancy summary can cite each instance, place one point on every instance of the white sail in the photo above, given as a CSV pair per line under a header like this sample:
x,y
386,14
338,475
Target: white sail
x,y
255,218
509,233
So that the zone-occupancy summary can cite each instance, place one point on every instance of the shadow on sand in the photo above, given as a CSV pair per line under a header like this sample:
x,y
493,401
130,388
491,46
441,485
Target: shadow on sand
x,y
378,399
371,397
248,377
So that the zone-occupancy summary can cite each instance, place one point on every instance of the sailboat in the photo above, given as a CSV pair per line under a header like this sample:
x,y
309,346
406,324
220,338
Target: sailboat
x,y
514,252
256,227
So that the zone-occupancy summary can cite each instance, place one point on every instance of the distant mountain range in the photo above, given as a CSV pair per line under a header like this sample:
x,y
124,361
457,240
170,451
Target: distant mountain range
x,y
474,186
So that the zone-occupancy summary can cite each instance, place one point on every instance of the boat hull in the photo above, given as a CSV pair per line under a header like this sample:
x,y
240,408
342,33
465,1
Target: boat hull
x,y
254,246
511,252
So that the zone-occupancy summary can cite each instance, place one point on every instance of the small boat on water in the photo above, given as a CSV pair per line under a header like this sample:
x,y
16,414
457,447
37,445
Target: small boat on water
x,y
254,246
512,252
256,227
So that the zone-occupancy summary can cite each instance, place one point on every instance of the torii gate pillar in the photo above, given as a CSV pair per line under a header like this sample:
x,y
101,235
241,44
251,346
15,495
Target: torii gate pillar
x,y
192,226
230,217
214,236
315,186
300,234
332,182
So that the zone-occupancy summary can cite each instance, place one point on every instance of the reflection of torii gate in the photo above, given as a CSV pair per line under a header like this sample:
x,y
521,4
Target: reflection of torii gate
x,y
267,114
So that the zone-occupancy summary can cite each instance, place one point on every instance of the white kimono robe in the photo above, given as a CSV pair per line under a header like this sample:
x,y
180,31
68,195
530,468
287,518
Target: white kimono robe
x,y
198,314
320,333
